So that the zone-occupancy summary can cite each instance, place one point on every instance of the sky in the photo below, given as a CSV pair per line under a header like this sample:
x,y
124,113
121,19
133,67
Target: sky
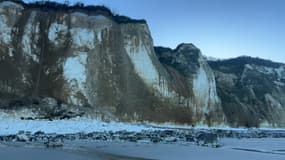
x,y
220,28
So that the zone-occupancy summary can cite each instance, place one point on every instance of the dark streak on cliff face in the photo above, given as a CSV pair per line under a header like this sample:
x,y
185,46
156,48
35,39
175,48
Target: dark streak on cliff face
x,y
181,65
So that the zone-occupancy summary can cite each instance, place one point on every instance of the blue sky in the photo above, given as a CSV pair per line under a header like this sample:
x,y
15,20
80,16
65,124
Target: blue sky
x,y
220,28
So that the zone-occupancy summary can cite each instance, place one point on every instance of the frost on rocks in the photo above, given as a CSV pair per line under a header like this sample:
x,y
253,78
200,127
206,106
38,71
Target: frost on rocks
x,y
54,31
273,101
12,126
279,83
280,72
5,30
10,52
268,70
29,48
83,37
5,23
75,74
249,66
99,36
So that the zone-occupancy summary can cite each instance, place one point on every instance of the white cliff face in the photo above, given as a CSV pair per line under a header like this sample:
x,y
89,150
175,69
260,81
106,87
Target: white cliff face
x,y
30,49
83,37
201,88
9,14
204,88
55,31
201,84
94,60
6,22
5,33
142,62
146,69
139,48
74,71
204,100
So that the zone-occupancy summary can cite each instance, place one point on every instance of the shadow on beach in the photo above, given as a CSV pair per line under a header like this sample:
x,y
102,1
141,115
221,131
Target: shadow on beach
x,y
16,151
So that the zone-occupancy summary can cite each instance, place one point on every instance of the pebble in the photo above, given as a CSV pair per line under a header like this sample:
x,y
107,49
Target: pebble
x,y
207,138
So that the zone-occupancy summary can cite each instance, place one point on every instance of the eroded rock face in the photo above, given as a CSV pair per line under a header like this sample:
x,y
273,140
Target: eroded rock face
x,y
193,80
90,59
252,91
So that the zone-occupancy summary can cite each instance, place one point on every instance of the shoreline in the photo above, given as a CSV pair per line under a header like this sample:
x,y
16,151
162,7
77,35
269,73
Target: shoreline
x,y
233,148
87,139
12,125
33,152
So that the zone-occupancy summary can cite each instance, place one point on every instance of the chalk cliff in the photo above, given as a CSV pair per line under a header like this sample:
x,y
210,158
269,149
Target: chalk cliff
x,y
93,58
87,57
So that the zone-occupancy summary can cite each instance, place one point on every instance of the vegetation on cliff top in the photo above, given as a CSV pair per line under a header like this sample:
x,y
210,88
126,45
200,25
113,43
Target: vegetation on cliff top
x,y
236,65
81,7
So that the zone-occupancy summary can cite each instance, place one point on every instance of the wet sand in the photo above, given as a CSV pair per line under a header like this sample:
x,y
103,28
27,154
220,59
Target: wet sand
x,y
233,149
26,152
252,149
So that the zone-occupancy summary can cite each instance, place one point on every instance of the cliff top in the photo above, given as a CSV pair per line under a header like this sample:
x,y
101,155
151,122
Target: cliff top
x,y
178,47
242,60
47,6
